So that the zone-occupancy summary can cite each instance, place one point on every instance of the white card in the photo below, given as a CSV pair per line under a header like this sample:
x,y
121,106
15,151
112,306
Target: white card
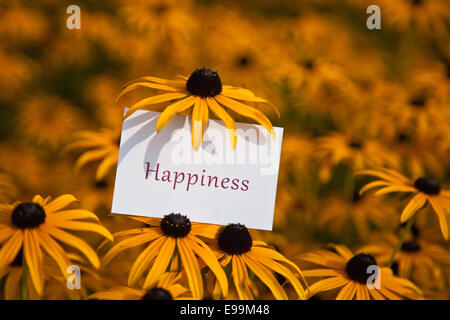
x,y
160,173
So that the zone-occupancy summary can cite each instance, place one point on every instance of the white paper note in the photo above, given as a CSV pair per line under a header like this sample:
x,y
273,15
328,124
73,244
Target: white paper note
x,y
160,173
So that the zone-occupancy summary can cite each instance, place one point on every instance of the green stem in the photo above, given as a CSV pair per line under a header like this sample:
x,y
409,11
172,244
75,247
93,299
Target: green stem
x,y
349,189
24,279
402,238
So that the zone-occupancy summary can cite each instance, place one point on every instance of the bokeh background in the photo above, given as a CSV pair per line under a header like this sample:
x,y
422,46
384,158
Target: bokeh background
x,y
350,98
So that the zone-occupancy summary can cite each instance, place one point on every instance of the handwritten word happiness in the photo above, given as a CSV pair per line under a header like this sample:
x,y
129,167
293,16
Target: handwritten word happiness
x,y
193,179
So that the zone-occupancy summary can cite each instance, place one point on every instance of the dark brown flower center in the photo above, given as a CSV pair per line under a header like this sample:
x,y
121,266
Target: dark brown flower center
x,y
356,196
418,102
176,225
204,83
394,268
410,246
18,260
244,61
28,215
427,186
355,144
357,267
101,184
157,294
235,239
309,64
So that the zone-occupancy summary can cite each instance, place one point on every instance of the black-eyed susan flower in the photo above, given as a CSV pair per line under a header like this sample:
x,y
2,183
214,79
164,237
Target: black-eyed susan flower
x,y
418,259
363,212
171,239
422,154
350,149
234,247
417,108
34,226
102,146
349,272
16,287
425,190
422,15
202,90
48,120
169,18
167,288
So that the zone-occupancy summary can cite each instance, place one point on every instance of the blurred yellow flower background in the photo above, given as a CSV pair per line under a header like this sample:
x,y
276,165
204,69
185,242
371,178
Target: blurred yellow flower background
x,y
351,99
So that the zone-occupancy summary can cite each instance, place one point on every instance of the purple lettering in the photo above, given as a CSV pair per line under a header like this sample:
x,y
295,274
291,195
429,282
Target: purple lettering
x,y
149,171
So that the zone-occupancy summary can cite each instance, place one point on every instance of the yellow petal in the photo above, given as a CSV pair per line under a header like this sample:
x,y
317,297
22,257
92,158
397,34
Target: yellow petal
x,y
33,257
372,185
12,284
169,112
208,257
154,100
106,165
394,189
84,226
60,202
72,215
136,85
327,284
139,239
238,94
73,241
197,134
9,250
6,231
89,156
321,273
413,206
442,215
240,278
191,268
347,292
246,111
54,250
266,276
143,260
161,262
226,118
277,267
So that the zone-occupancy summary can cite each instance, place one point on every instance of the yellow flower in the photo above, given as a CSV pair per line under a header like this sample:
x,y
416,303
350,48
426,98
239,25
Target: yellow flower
x,y
427,16
417,108
33,226
363,212
172,238
418,259
100,146
349,272
350,149
165,289
48,120
204,91
234,244
425,191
